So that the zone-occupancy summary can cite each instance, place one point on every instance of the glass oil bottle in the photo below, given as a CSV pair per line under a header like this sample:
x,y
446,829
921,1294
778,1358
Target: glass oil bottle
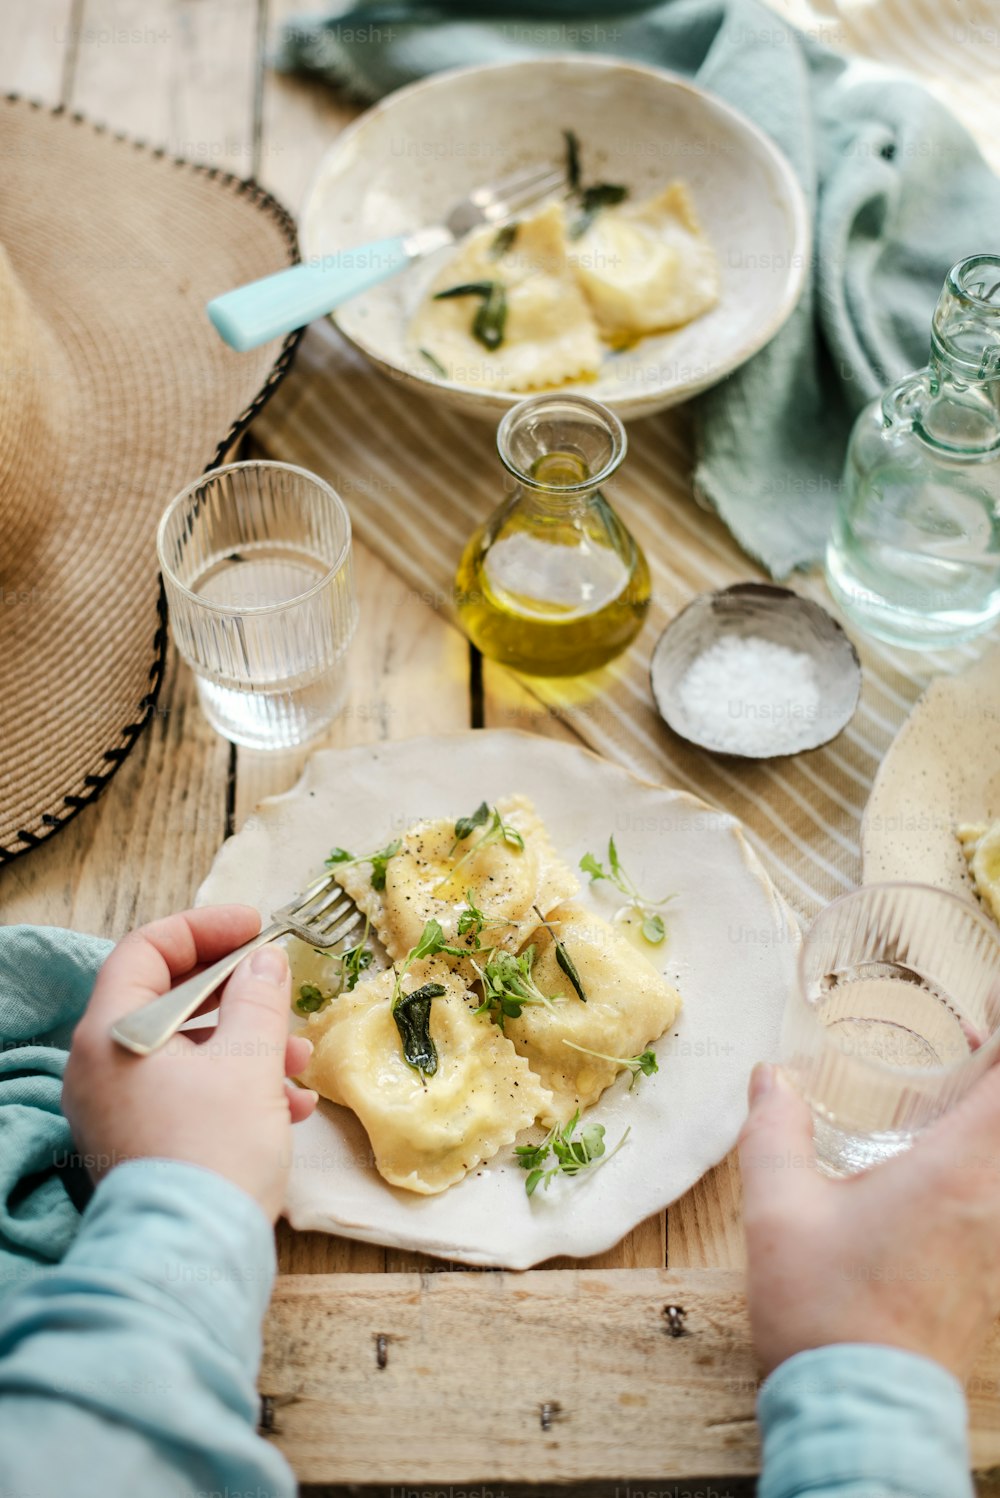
x,y
554,584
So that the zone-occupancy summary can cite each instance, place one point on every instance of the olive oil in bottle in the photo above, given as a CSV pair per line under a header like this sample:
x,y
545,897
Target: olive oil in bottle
x,y
554,584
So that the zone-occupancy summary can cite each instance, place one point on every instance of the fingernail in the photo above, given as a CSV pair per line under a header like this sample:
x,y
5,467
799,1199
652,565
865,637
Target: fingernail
x,y
270,963
762,1079
311,1092
306,1041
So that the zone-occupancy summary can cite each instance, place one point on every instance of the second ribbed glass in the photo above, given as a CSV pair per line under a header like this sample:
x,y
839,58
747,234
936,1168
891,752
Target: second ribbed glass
x,y
897,1014
256,562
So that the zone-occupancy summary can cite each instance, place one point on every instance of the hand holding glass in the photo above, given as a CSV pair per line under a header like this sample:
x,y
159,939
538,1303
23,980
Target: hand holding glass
x,y
896,1016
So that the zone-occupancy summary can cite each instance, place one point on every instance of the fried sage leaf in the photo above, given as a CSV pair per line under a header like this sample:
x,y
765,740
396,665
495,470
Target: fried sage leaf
x,y
563,958
491,316
412,1013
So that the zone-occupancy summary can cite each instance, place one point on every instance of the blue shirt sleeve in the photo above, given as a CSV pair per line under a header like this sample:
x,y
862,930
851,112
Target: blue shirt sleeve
x,y
858,1421
131,1366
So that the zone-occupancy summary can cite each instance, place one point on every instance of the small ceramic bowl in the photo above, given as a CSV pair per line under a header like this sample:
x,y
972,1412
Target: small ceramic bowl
x,y
408,159
764,612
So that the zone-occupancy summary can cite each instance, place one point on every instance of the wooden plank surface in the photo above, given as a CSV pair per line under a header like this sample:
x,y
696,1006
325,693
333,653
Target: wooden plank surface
x,y
143,848
182,75
38,42
548,1376
299,119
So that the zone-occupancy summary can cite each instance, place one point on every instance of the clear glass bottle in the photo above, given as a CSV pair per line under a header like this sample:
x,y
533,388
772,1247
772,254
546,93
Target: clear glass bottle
x,y
554,584
914,554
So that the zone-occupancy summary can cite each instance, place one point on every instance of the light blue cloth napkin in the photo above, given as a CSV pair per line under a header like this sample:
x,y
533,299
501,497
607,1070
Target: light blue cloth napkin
x,y
897,189
46,976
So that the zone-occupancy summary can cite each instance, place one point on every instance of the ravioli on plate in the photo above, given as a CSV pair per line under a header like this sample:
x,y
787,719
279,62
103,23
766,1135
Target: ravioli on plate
x,y
433,874
645,267
449,1053
540,302
549,336
981,845
628,1005
426,1133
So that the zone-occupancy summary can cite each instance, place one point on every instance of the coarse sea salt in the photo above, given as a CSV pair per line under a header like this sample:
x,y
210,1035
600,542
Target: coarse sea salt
x,y
746,695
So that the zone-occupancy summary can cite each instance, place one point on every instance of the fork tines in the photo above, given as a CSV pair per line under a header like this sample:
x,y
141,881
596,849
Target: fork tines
x,y
505,198
324,913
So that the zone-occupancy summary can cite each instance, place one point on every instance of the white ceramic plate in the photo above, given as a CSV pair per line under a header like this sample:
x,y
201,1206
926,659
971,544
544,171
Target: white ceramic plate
x,y
731,952
942,768
404,162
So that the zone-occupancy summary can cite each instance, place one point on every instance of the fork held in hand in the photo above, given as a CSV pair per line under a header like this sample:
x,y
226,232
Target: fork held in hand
x,y
266,309
321,916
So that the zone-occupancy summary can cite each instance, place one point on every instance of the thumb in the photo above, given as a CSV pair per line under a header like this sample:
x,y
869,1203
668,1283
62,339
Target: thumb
x,y
777,1154
253,1014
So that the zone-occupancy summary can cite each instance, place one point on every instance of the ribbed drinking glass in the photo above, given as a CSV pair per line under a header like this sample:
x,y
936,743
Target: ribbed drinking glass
x,y
256,561
897,1014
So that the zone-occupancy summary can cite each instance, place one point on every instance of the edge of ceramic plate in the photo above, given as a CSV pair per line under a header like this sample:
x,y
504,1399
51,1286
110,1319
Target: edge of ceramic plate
x,y
943,686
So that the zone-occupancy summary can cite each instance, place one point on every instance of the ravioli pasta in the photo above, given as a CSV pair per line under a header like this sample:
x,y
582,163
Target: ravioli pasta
x,y
507,883
981,845
647,266
425,1138
493,889
638,268
628,1005
549,337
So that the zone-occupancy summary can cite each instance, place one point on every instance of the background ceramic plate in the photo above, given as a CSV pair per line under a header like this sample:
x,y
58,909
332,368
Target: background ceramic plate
x,y
943,767
731,951
406,160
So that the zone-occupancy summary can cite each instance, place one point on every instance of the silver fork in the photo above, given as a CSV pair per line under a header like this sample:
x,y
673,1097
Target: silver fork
x,y
321,915
266,309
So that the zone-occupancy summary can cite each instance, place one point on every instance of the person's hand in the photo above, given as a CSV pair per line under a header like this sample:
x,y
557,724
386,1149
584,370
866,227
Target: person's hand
x,y
906,1255
220,1101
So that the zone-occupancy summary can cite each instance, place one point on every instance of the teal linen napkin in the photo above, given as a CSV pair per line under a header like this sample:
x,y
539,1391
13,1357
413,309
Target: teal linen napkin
x,y
897,189
46,976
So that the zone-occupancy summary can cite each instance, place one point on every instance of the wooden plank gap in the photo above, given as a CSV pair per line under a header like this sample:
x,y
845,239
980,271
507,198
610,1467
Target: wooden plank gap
x,y
72,52
231,773
257,123
477,701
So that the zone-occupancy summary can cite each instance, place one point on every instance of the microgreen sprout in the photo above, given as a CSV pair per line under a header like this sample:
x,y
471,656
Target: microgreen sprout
x,y
571,1155
508,985
640,1066
497,831
311,999
430,943
355,960
466,826
652,926
472,921
340,858
351,963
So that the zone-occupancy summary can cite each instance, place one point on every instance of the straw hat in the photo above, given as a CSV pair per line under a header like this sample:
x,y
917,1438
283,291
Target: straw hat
x,y
115,392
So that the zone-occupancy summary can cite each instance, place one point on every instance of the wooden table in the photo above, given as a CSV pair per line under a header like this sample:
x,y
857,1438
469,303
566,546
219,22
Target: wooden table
x,y
599,1386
